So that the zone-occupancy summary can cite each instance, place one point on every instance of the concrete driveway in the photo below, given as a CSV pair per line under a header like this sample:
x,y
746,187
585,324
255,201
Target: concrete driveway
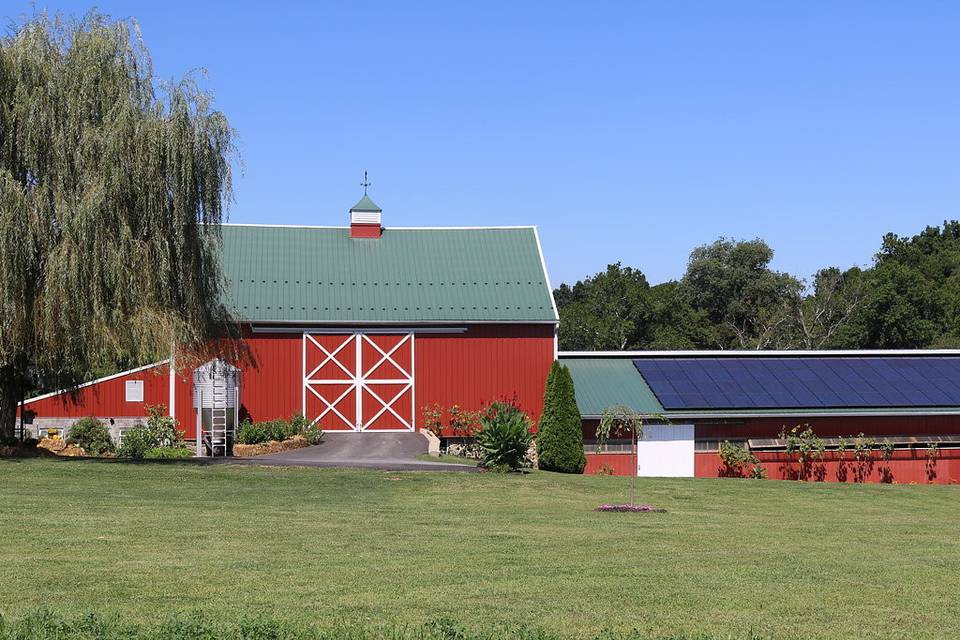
x,y
388,451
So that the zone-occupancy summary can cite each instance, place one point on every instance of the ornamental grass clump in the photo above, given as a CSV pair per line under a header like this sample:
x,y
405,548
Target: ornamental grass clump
x,y
504,437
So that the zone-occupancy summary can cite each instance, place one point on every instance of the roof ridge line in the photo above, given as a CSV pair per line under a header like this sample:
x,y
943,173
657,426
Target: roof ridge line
x,y
311,226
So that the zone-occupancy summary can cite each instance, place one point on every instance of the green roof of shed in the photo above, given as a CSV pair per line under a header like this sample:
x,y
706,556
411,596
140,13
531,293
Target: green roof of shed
x,y
604,382
321,274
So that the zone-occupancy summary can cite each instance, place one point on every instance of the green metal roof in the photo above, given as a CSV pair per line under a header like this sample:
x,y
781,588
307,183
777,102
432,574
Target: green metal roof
x,y
314,274
365,204
605,382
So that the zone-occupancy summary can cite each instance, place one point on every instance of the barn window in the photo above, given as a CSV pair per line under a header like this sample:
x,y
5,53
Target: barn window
x,y
134,391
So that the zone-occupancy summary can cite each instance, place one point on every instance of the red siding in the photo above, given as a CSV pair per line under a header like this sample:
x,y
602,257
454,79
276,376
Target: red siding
x,y
107,398
830,427
904,467
616,464
485,363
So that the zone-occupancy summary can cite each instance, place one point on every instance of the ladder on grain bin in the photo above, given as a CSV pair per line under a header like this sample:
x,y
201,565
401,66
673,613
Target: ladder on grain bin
x,y
216,395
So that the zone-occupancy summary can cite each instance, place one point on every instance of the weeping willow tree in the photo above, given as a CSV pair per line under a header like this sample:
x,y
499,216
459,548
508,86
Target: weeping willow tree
x,y
112,188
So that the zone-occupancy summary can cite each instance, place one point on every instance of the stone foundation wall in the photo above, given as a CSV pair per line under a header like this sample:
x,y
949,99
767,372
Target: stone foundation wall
x,y
37,427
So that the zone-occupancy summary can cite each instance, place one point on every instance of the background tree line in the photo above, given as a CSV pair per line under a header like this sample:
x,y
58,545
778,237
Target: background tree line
x,y
730,298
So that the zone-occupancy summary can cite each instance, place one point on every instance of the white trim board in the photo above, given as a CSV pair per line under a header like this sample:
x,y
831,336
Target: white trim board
x,y
546,274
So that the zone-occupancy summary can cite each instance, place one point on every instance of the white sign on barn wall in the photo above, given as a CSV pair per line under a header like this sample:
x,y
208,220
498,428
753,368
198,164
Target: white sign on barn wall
x,y
133,391
666,451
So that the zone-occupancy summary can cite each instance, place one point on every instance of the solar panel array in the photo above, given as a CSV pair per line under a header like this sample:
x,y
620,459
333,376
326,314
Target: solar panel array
x,y
803,382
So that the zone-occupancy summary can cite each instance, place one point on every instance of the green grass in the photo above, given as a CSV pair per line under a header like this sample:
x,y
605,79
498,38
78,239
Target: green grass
x,y
467,462
321,545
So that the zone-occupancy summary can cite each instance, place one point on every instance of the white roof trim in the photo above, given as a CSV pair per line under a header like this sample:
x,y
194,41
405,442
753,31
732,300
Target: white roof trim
x,y
97,381
546,274
721,353
388,323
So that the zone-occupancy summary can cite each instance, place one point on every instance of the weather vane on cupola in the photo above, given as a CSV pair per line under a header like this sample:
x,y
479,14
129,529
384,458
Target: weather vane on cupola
x,y
366,183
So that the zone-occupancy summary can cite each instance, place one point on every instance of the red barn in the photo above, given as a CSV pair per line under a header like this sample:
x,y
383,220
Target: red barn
x,y
904,404
359,328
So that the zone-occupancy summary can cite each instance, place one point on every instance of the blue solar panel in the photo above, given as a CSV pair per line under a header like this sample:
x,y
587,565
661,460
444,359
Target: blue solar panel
x,y
746,382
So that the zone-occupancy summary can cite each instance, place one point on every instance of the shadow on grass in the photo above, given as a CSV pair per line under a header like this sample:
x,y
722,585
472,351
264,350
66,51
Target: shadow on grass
x,y
122,461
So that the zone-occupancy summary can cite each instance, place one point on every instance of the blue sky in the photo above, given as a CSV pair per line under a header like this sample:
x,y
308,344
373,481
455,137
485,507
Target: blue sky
x,y
628,131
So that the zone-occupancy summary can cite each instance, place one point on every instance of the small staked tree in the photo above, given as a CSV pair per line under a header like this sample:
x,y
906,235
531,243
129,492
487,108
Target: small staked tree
x,y
620,421
112,189
560,435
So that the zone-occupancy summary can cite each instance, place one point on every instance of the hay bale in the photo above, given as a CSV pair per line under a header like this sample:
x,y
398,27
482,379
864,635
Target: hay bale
x,y
53,445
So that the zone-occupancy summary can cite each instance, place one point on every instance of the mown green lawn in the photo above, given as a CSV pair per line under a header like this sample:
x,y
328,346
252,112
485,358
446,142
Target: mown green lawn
x,y
731,556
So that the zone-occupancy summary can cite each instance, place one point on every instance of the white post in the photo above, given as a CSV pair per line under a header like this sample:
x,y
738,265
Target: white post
x,y
172,400
199,411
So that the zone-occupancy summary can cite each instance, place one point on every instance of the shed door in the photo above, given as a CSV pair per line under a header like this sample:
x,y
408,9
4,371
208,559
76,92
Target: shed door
x,y
358,381
666,450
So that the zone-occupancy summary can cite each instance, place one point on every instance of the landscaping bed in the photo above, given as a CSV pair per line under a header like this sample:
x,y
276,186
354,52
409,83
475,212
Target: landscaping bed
x,y
275,436
272,446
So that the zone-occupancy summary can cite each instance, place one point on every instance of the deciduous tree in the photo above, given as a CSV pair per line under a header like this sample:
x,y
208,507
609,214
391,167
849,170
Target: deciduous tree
x,y
111,192
607,311
747,303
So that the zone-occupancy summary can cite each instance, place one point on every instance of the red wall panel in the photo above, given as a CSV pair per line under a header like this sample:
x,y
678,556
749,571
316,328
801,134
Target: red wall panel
x,y
470,369
617,464
830,427
107,398
484,364
904,467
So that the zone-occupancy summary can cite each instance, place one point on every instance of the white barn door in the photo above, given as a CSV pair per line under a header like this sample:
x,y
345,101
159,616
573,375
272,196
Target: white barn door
x,y
359,381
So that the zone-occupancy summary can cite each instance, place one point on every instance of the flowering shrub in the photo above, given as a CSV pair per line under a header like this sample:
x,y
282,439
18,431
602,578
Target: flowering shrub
x,y
91,435
736,458
862,447
464,424
804,442
278,430
433,419
886,449
159,432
